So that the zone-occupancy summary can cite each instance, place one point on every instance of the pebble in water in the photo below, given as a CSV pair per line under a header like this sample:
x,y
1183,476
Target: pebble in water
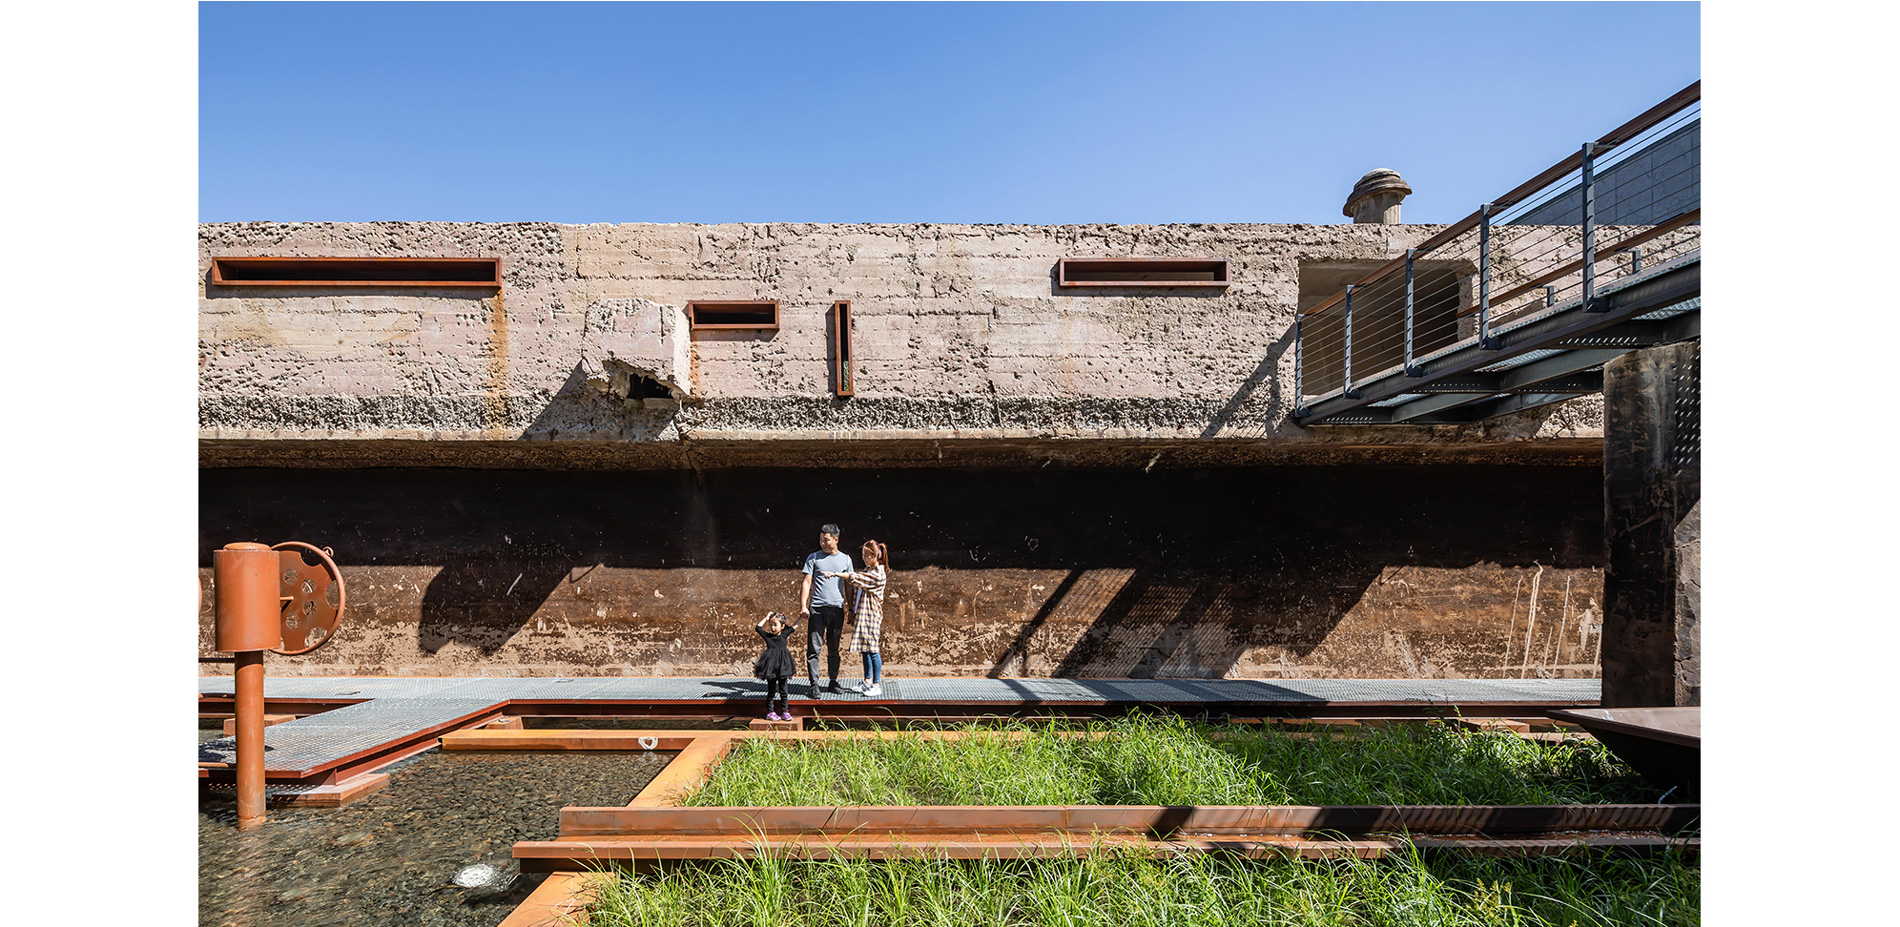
x,y
476,876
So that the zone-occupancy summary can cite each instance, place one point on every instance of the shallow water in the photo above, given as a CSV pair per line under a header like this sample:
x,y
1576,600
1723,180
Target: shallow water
x,y
391,858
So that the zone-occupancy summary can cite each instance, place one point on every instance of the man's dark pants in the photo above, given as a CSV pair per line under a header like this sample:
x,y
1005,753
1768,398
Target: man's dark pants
x,y
827,625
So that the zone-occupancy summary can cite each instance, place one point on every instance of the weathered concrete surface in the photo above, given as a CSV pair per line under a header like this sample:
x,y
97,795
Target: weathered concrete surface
x,y
1289,571
1652,476
960,335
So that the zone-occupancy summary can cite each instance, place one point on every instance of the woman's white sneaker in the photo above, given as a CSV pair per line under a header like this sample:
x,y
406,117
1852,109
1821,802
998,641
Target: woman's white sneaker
x,y
874,691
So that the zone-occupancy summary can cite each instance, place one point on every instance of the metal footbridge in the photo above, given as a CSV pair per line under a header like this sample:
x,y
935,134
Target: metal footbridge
x,y
360,723
1521,303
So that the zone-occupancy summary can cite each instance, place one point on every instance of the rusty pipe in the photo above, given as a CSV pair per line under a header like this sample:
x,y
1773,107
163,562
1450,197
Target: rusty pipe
x,y
250,739
247,596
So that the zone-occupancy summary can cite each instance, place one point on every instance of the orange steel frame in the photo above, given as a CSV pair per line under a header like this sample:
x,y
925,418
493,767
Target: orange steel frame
x,y
841,349
757,305
1217,266
481,272
652,827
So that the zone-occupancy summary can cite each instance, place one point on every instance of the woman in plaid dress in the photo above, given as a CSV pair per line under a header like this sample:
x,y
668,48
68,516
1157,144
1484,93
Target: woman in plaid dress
x,y
867,614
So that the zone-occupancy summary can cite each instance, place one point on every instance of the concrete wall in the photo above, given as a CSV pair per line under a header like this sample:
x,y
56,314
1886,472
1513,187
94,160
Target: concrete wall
x,y
961,337
1652,480
1073,482
1288,571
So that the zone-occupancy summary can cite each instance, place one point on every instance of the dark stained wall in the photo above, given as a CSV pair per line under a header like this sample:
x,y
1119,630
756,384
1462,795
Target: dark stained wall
x,y
1485,571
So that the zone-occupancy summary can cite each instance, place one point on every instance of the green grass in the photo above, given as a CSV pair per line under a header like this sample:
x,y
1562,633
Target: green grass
x,y
1169,761
1131,890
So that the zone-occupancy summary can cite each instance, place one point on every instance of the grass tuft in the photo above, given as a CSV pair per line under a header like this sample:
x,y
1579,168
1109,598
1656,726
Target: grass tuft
x,y
1132,889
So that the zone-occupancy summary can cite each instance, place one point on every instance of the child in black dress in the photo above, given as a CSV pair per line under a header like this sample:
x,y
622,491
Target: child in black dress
x,y
776,665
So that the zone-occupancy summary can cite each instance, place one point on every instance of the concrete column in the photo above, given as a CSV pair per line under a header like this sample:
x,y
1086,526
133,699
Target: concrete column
x,y
1652,490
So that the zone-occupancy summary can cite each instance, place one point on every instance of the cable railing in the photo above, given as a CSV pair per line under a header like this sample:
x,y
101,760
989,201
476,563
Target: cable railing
x,y
1625,206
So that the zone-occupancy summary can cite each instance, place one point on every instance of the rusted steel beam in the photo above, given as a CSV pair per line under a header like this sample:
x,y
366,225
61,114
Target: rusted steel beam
x,y
1150,820
688,771
506,739
560,901
590,853
224,705
386,753
270,720
332,796
366,760
923,710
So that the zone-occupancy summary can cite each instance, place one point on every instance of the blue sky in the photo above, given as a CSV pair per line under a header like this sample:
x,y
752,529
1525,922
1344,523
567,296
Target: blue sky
x,y
911,112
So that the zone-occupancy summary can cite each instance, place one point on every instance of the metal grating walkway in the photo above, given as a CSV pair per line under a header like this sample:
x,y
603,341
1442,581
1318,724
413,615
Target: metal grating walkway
x,y
398,710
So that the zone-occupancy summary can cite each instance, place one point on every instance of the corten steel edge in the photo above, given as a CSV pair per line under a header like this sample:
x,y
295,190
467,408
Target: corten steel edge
x,y
653,828
1134,272
927,709
356,271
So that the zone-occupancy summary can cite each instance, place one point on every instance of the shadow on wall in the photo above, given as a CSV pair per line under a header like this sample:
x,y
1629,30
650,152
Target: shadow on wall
x,y
1177,622
1164,573
468,603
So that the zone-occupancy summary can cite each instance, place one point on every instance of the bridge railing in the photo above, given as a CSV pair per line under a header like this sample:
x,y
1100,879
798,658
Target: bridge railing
x,y
1625,204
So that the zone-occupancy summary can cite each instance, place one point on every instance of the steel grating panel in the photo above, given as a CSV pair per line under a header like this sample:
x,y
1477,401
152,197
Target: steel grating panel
x,y
398,709
325,738
1692,304
1521,359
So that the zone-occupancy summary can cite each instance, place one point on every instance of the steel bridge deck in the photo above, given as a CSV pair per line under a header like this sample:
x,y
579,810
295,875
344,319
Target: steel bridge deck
x,y
390,715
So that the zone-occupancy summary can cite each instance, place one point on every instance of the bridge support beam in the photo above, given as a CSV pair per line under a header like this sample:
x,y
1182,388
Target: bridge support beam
x,y
1652,487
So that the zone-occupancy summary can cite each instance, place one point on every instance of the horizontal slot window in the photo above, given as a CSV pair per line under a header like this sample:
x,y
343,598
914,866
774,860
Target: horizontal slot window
x,y
1200,272
348,271
755,314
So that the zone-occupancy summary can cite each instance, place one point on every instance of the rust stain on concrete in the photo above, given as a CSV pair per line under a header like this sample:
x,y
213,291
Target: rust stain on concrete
x,y
494,394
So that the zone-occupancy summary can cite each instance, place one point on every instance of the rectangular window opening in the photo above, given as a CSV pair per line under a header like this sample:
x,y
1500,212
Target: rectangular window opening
x,y
841,347
352,271
1184,272
753,314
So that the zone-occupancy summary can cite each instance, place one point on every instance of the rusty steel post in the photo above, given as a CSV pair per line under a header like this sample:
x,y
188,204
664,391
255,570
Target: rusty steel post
x,y
248,609
250,739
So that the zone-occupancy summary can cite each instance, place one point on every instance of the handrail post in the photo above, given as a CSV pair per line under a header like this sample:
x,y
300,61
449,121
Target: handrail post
x,y
1484,280
1589,191
1345,388
1410,370
1299,363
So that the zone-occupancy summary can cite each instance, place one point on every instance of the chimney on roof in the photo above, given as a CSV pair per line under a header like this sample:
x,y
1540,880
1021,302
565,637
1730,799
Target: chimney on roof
x,y
1375,198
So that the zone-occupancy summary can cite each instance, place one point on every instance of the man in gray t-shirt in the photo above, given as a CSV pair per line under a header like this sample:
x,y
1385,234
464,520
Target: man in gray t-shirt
x,y
821,605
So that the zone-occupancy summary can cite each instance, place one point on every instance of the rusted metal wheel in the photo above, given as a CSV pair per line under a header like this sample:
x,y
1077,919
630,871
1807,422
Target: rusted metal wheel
x,y
312,594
